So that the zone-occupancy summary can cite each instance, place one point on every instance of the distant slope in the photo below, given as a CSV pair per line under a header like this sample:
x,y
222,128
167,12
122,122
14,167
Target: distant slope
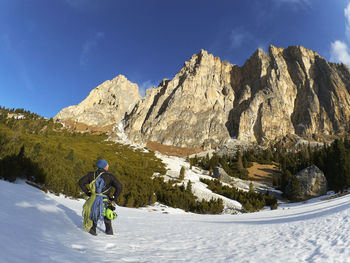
x,y
47,228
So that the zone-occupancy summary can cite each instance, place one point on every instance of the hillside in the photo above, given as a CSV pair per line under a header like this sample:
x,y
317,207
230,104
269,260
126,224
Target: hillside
x,y
47,228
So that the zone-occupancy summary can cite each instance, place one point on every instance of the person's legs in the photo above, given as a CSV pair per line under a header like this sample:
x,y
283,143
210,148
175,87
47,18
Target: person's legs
x,y
108,224
93,229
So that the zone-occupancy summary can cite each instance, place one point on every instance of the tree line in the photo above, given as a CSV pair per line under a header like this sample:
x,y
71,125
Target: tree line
x,y
43,151
234,165
332,158
251,201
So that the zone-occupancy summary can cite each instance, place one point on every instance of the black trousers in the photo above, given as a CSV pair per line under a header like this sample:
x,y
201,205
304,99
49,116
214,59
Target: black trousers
x,y
108,225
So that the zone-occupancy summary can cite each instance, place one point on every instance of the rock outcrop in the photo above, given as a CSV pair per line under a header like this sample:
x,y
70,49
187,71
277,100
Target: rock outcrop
x,y
220,174
312,183
191,110
288,91
291,93
106,105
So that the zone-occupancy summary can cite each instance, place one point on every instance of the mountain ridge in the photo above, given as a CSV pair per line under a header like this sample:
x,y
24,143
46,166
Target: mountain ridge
x,y
275,94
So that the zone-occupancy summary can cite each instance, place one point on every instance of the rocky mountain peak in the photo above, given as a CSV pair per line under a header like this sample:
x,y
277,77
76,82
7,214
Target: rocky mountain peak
x,y
105,105
292,91
284,91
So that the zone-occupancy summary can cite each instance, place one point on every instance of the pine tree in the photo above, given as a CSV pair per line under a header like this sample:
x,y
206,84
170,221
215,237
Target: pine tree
x,y
210,171
293,188
36,149
189,187
251,188
70,155
21,153
182,173
130,201
214,161
240,166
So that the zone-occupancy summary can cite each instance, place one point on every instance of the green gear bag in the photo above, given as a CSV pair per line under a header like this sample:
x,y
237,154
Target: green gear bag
x,y
87,223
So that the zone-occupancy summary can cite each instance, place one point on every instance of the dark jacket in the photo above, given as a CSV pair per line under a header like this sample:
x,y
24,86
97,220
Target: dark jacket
x,y
108,178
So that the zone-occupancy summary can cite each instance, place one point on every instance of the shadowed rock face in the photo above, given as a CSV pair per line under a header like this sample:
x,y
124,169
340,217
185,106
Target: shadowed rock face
x,y
312,182
288,91
106,105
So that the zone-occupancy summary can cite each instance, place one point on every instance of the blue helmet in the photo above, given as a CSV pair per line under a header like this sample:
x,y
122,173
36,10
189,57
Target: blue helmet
x,y
101,163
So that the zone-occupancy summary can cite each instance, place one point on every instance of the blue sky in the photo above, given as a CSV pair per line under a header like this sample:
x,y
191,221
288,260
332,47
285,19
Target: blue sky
x,y
54,52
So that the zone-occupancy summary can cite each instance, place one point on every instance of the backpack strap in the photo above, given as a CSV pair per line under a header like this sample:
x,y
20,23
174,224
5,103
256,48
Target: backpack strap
x,y
92,184
97,176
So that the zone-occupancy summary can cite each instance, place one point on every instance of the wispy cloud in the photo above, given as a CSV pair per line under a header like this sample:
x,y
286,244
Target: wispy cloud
x,y
88,6
295,5
239,37
339,49
77,4
88,46
84,5
301,2
340,52
18,61
347,16
294,2
146,85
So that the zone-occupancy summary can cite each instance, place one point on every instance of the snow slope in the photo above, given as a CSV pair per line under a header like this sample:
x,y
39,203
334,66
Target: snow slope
x,y
199,189
39,227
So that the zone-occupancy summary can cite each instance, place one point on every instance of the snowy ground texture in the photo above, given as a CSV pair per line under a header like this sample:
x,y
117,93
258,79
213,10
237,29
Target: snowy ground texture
x,y
39,227
199,189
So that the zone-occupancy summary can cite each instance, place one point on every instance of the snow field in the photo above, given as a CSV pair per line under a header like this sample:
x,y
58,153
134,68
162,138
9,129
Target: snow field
x,y
199,189
39,227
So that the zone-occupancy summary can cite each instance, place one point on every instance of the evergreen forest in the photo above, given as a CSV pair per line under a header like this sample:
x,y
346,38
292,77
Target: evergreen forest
x,y
331,158
43,151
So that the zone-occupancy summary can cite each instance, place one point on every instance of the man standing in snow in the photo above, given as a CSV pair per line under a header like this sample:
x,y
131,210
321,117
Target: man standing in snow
x,y
100,183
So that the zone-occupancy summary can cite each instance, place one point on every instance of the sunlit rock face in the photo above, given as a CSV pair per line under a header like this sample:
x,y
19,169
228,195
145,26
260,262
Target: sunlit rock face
x,y
209,101
291,91
106,105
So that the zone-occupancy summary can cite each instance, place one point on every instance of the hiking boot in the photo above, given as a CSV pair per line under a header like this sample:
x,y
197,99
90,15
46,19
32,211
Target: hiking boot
x,y
108,224
93,230
109,232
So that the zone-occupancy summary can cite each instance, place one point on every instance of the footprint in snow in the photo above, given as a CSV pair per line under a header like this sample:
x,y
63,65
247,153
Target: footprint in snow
x,y
80,248
110,245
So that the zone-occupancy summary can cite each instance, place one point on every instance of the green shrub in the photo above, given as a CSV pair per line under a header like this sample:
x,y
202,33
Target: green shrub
x,y
251,201
182,174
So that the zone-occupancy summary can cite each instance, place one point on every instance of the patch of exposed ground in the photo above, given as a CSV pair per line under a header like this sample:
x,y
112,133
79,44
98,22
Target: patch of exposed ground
x,y
336,195
171,150
82,127
263,173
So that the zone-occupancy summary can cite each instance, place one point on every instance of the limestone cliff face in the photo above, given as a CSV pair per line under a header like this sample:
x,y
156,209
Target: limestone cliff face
x,y
105,105
190,110
285,92
288,91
